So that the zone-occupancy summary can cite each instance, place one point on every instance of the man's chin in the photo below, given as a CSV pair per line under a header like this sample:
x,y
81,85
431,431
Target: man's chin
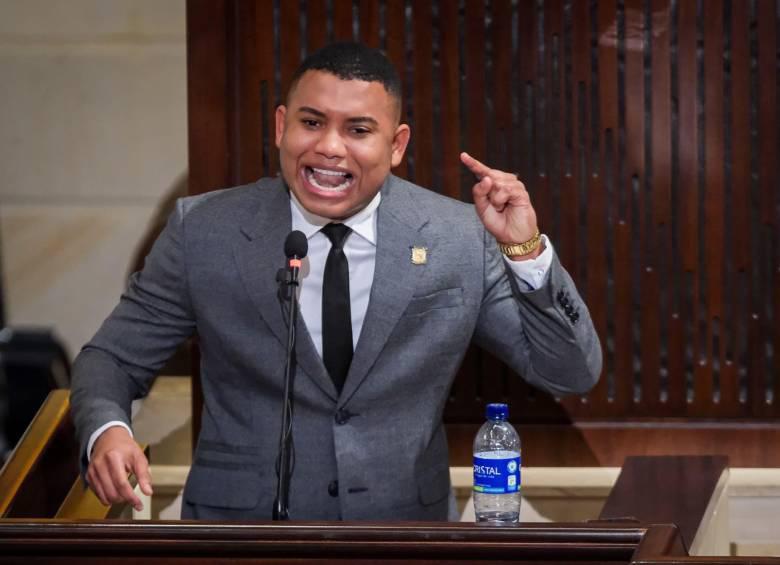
x,y
326,208
334,206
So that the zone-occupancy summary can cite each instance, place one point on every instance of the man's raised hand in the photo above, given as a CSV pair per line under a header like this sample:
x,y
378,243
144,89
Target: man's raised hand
x,y
502,203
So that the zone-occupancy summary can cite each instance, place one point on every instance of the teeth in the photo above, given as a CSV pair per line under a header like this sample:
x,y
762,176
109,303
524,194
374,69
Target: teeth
x,y
327,172
327,188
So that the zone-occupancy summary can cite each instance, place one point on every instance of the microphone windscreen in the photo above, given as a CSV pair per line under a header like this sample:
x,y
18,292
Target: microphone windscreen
x,y
296,245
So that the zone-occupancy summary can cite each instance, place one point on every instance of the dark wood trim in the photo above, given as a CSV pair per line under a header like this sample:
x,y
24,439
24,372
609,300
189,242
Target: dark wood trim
x,y
607,444
163,542
742,560
660,540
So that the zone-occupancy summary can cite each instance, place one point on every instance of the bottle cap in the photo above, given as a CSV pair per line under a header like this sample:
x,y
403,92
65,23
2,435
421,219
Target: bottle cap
x,y
498,411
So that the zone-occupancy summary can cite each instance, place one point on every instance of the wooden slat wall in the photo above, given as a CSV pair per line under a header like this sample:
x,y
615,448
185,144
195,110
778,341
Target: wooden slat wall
x,y
645,130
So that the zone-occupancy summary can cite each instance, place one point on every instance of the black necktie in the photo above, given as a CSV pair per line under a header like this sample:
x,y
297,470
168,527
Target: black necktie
x,y
336,313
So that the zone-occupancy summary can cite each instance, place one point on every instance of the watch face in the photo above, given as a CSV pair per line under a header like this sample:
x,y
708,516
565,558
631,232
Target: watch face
x,y
517,249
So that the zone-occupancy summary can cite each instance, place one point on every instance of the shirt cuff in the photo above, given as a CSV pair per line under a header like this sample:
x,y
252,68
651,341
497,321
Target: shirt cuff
x,y
533,271
96,434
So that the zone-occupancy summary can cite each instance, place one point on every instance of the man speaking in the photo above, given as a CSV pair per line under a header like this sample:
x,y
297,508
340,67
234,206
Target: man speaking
x,y
397,282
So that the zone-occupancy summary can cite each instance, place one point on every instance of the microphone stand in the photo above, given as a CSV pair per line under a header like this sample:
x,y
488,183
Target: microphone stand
x,y
284,471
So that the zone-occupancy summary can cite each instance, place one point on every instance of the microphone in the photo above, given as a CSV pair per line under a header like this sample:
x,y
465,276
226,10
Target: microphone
x,y
296,245
295,248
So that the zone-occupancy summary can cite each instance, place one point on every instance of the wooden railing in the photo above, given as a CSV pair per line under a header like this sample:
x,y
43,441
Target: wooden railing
x,y
44,464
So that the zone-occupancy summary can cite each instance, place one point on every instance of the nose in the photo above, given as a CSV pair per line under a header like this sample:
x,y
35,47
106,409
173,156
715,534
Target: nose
x,y
330,144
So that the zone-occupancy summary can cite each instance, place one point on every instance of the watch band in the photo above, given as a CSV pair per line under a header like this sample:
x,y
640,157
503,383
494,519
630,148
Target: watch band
x,y
518,249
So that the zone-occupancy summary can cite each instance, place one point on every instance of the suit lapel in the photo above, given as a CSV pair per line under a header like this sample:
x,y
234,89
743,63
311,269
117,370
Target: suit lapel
x,y
395,278
259,254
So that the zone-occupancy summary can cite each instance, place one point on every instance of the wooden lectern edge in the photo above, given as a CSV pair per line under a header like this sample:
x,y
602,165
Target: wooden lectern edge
x,y
618,532
333,542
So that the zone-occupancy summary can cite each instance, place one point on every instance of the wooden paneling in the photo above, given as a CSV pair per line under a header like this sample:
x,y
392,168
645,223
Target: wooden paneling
x,y
645,130
422,95
207,91
607,443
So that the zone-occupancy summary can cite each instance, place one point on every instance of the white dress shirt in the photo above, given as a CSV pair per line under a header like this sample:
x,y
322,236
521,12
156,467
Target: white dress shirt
x,y
360,250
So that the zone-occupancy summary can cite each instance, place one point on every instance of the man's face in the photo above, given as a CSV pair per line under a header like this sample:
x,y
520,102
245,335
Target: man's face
x,y
337,141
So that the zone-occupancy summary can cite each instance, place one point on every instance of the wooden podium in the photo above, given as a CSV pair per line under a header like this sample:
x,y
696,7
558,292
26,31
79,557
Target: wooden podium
x,y
66,542
650,490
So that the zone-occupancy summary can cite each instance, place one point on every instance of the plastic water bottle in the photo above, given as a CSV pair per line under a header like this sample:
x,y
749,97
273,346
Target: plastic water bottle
x,y
497,469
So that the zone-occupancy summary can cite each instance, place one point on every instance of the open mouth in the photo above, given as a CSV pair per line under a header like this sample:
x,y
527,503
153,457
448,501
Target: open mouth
x,y
327,180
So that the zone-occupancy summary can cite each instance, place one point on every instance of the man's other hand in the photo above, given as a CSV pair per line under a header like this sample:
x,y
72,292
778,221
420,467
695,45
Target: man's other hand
x,y
114,455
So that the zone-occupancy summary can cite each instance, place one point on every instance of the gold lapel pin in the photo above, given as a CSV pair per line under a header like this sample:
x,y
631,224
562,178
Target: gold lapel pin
x,y
419,255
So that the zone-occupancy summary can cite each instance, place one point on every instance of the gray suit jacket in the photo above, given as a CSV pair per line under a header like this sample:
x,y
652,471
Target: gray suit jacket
x,y
213,271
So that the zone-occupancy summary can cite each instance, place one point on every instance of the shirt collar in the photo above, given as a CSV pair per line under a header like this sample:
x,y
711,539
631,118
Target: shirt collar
x,y
363,223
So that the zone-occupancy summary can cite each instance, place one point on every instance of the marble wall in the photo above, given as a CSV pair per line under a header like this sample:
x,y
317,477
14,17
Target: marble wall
x,y
93,113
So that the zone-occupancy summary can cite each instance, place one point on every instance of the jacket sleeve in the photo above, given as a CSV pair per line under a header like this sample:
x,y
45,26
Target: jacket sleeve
x,y
546,335
153,317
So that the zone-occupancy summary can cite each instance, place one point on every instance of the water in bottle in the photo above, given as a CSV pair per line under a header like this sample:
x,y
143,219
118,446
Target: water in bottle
x,y
497,469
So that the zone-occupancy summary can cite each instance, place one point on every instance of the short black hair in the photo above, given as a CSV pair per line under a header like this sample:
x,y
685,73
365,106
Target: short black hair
x,y
352,61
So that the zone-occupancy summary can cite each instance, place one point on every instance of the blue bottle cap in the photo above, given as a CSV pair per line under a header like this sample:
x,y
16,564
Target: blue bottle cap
x,y
497,411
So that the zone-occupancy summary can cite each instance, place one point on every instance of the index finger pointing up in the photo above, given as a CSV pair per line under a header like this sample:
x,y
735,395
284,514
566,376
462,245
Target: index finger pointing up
x,y
474,166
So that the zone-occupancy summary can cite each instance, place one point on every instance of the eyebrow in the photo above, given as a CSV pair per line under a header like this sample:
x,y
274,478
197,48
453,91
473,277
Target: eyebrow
x,y
355,119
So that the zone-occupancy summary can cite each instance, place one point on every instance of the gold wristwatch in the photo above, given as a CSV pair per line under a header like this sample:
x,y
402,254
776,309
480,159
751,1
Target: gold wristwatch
x,y
518,249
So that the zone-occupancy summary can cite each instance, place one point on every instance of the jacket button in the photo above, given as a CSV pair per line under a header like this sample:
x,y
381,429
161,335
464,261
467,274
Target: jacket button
x,y
342,417
333,488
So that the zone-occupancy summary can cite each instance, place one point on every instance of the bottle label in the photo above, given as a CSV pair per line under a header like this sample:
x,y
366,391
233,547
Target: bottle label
x,y
496,476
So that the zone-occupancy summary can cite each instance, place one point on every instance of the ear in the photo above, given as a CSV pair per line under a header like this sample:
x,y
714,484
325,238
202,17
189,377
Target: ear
x,y
281,113
400,141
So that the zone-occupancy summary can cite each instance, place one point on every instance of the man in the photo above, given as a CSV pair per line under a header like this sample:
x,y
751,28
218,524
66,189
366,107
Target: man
x,y
425,277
